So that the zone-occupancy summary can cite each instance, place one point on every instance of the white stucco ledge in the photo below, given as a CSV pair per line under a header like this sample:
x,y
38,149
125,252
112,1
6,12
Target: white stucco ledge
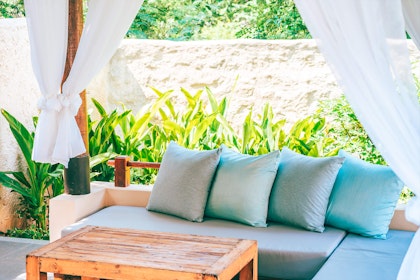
x,y
67,209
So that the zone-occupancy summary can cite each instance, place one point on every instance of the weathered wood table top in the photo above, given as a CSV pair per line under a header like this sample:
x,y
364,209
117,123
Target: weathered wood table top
x,y
109,253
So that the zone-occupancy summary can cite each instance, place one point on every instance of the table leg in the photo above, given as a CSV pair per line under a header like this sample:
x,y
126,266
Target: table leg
x,y
246,273
32,269
250,271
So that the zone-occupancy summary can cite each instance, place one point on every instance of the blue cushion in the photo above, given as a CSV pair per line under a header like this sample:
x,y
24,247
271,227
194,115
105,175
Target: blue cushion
x,y
363,198
360,257
242,186
182,185
302,189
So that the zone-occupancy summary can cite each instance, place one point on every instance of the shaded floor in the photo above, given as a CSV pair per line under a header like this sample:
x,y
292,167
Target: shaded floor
x,y
13,256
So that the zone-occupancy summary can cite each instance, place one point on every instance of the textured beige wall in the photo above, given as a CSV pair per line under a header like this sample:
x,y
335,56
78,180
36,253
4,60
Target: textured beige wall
x,y
18,91
291,75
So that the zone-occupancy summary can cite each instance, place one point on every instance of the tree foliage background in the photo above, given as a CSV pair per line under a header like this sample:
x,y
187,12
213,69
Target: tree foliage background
x,y
218,19
185,20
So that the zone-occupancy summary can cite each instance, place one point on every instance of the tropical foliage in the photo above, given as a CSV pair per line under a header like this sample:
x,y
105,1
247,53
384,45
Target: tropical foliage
x,y
344,127
202,124
185,20
11,9
216,19
38,183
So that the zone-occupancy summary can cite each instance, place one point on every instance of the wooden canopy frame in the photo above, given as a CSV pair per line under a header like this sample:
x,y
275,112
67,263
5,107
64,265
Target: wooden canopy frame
x,y
75,28
76,176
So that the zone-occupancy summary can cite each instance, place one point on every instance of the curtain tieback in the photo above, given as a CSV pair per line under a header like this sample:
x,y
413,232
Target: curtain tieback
x,y
60,102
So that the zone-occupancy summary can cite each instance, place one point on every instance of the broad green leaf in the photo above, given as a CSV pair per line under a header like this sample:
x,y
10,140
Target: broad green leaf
x,y
202,128
247,132
101,110
21,178
101,158
24,140
212,101
13,184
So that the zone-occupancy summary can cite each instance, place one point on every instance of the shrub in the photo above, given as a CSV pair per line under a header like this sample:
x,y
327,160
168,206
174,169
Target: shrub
x,y
215,19
202,125
38,183
32,232
12,9
344,127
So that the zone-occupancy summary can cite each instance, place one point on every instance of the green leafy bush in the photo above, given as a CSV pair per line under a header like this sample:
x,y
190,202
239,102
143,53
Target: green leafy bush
x,y
215,19
344,127
31,232
38,183
202,125
12,9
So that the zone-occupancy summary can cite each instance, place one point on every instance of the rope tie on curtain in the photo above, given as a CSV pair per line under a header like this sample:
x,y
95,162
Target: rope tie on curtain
x,y
60,102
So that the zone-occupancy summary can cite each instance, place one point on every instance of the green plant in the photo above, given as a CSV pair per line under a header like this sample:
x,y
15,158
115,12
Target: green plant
x,y
38,184
32,232
274,20
12,9
344,127
103,142
214,19
200,124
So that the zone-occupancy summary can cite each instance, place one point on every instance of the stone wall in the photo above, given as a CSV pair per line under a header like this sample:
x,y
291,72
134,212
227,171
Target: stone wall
x,y
18,93
290,75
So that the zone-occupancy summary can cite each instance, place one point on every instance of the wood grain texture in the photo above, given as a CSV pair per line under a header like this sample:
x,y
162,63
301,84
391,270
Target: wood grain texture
x,y
122,166
98,252
75,29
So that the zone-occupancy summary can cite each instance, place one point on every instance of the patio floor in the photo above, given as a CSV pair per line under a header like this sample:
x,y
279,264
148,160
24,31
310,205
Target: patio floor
x,y
13,256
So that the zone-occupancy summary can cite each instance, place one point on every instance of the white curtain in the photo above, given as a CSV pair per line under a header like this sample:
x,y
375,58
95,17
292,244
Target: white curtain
x,y
58,138
411,10
410,266
365,45
47,27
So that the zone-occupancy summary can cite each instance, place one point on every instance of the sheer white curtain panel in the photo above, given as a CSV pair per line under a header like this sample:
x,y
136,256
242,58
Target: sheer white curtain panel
x,y
411,10
107,21
364,43
409,268
47,28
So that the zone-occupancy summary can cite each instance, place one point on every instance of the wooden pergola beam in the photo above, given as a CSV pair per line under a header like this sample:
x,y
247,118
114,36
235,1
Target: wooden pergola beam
x,y
77,175
75,29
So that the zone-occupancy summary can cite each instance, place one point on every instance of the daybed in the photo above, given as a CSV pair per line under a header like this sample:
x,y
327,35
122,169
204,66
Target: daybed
x,y
286,250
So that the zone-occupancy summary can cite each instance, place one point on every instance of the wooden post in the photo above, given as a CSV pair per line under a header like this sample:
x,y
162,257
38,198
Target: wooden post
x,y
122,171
75,29
75,179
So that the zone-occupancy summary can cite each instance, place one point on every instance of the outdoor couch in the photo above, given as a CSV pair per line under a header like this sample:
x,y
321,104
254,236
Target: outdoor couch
x,y
296,246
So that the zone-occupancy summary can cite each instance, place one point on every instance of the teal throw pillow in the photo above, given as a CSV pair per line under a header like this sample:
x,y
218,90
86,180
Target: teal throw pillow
x,y
364,198
242,186
302,189
183,182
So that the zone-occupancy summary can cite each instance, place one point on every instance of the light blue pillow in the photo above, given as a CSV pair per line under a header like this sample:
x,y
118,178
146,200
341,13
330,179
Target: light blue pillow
x,y
183,182
302,189
242,186
364,198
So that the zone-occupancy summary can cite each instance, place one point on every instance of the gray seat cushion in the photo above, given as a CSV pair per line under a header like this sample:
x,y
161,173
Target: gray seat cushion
x,y
283,252
359,258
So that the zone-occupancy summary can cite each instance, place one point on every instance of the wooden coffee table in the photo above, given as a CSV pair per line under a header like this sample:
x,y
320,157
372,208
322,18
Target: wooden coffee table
x,y
109,253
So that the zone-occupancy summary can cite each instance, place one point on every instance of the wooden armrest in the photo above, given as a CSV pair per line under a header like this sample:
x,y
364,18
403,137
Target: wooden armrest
x,y
138,164
122,166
